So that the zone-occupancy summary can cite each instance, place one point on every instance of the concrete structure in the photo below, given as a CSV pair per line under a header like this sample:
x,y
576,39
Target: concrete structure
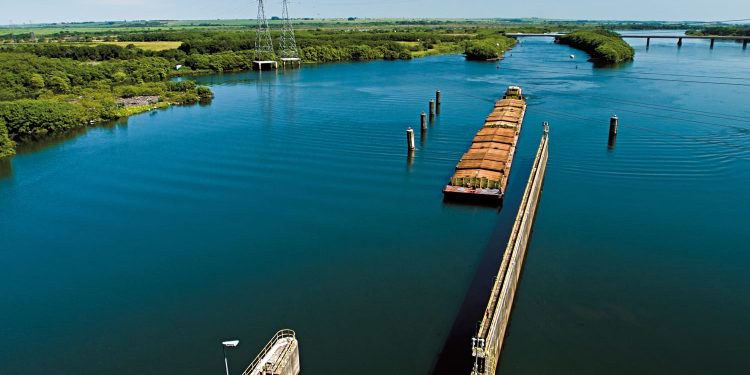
x,y
292,61
279,357
259,64
712,39
488,342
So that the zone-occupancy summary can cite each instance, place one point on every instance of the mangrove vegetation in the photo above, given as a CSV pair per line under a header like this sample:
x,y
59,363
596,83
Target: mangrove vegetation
x,y
41,96
604,46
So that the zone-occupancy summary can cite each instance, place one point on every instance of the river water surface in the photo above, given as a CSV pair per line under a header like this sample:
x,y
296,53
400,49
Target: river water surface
x,y
290,202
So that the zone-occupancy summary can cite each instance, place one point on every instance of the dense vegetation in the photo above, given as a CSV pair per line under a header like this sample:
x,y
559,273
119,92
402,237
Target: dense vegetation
x,y
722,31
60,77
7,147
488,48
40,95
604,46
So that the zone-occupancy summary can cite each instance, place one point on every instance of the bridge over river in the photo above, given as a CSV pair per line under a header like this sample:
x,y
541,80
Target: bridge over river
x,y
648,37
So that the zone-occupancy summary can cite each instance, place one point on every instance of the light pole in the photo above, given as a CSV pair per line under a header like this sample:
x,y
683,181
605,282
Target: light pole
x,y
224,346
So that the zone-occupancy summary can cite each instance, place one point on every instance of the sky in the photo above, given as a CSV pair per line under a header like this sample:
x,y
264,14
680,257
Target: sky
x,y
37,11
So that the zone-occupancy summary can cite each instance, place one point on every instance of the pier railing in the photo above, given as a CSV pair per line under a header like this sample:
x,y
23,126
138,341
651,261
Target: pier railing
x,y
488,342
282,334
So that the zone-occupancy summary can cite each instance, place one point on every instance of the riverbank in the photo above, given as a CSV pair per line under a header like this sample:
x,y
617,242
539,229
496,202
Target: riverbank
x,y
488,49
52,86
721,31
605,47
43,97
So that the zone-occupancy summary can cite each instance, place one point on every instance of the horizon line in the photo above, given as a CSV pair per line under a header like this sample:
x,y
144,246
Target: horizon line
x,y
726,22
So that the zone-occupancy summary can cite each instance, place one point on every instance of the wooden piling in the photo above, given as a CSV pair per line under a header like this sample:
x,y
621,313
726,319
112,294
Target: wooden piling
x,y
423,121
679,42
613,122
648,43
712,43
410,139
432,109
438,97
744,44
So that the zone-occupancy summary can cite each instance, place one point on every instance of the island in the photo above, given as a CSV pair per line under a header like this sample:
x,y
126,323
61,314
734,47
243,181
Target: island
x,y
604,46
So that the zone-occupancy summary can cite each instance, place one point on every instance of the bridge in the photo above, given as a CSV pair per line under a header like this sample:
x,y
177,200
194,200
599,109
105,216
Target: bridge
x,y
679,38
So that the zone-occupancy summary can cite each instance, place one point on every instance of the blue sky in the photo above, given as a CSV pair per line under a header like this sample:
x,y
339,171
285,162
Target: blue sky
x,y
99,10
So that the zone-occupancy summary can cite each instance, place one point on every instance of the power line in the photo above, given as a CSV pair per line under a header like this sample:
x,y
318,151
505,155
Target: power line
x,y
668,109
632,77
675,75
651,130
708,22
592,121
673,109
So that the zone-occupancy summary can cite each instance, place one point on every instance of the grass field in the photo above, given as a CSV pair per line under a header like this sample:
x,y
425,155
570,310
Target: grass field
x,y
149,46
139,26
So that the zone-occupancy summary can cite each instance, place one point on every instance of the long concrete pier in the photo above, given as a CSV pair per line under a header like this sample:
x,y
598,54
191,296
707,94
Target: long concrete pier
x,y
488,342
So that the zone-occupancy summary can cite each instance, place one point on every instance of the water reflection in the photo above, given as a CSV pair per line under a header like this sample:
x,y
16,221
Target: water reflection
x,y
50,141
612,142
6,168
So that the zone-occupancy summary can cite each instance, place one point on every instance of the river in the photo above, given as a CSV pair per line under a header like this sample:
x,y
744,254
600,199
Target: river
x,y
290,202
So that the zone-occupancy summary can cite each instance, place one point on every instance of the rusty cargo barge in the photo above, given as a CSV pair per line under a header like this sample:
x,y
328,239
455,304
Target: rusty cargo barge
x,y
482,173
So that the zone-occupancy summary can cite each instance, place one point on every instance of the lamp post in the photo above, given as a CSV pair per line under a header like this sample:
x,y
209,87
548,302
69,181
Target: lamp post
x,y
224,346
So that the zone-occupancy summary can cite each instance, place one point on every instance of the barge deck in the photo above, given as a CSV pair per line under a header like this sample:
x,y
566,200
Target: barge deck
x,y
482,173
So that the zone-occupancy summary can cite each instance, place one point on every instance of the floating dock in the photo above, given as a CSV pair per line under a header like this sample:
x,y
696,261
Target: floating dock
x,y
279,357
482,173
487,344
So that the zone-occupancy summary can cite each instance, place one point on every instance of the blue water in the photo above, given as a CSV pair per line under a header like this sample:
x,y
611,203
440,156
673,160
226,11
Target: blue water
x,y
291,202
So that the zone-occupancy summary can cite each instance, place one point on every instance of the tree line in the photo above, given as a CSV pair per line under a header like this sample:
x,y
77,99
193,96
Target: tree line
x,y
48,88
40,96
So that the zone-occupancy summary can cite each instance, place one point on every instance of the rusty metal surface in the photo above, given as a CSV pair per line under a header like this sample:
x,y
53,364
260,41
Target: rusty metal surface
x,y
484,168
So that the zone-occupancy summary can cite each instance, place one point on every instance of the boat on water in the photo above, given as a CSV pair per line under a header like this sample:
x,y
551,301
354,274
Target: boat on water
x,y
482,173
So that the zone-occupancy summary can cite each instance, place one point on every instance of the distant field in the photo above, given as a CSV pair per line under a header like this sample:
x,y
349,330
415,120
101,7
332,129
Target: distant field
x,y
139,26
149,46
517,24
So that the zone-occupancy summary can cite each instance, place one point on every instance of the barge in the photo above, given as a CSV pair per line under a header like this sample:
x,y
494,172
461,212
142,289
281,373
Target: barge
x,y
482,173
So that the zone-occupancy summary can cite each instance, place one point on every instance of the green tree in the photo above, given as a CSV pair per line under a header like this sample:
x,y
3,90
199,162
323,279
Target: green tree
x,y
7,147
36,81
120,77
59,83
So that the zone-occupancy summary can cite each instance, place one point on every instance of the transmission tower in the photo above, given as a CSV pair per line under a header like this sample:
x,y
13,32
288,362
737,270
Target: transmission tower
x,y
287,44
263,43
